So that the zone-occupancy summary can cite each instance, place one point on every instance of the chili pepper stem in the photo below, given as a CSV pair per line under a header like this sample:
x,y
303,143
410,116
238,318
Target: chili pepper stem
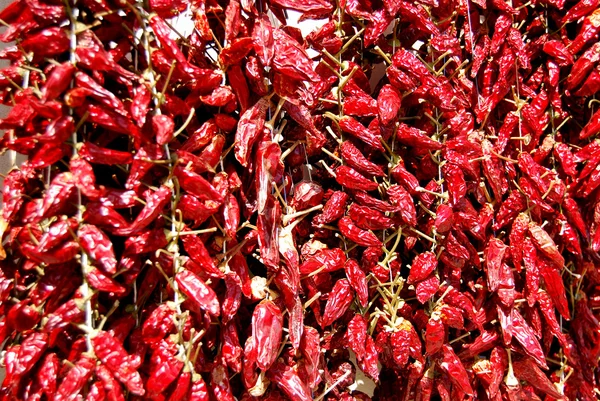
x,y
334,385
289,150
286,219
334,157
185,123
326,167
383,55
349,42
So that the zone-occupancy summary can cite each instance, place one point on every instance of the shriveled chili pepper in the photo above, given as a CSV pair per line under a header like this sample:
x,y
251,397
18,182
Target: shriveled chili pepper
x,y
401,199
412,136
164,368
526,336
351,126
339,300
250,126
194,288
154,205
267,326
163,127
200,255
75,379
357,235
423,265
450,364
58,81
112,354
350,178
96,244
288,380
355,159
324,260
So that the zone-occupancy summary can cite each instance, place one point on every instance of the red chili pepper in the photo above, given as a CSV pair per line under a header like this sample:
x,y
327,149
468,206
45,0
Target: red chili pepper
x,y
334,208
211,154
350,178
163,127
350,126
355,159
94,90
524,334
104,216
200,255
435,334
377,204
401,199
423,265
324,260
160,323
454,368
108,119
267,326
250,126
582,66
75,379
182,387
360,106
555,287
509,209
588,31
532,276
155,202
193,209
357,235
112,387
195,289
388,102
339,300
102,282
164,368
60,254
98,246
112,354
47,43
231,350
310,350
288,380
96,392
542,240
369,219
198,389
219,382
427,288
358,281
98,155
58,81
233,297
268,233
369,364
414,137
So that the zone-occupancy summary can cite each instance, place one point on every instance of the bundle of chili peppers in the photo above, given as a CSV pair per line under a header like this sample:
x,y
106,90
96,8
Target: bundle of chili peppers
x,y
216,206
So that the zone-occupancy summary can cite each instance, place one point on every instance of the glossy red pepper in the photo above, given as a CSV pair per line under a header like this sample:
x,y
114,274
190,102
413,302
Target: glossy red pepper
x,y
201,294
267,327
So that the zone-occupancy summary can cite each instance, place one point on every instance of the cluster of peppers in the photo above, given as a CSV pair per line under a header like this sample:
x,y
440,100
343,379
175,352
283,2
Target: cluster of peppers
x,y
215,206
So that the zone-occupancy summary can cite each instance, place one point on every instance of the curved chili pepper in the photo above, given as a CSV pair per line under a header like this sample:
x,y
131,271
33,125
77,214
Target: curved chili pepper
x,y
357,235
195,289
350,178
